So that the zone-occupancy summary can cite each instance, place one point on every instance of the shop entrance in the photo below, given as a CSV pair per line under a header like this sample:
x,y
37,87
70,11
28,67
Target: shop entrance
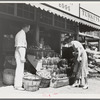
x,y
8,30
51,38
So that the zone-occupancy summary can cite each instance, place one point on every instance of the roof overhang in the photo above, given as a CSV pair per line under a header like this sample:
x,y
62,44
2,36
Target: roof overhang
x,y
63,14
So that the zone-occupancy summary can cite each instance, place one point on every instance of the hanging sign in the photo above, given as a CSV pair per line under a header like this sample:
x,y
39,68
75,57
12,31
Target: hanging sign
x,y
71,8
84,14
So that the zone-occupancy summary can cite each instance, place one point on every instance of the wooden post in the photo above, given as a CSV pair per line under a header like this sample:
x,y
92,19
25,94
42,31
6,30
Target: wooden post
x,y
86,42
77,32
15,9
99,41
37,34
53,18
35,14
99,45
37,29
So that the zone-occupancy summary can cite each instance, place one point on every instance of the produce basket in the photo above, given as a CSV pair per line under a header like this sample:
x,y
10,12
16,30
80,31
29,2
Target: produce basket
x,y
59,82
44,83
32,82
45,78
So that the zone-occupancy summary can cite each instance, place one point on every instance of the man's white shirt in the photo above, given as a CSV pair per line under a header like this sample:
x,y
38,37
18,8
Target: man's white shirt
x,y
20,39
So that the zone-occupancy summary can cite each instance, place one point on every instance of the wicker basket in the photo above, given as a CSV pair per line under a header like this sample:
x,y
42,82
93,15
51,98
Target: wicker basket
x,y
31,84
59,82
45,79
44,83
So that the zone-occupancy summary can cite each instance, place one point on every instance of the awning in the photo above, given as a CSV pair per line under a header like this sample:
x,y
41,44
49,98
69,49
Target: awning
x,y
62,14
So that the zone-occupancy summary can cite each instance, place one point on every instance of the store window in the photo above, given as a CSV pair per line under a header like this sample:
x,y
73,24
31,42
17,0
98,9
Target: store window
x,y
25,11
7,8
59,21
45,17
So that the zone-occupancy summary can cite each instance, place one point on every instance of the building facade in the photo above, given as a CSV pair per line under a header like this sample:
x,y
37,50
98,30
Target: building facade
x,y
47,21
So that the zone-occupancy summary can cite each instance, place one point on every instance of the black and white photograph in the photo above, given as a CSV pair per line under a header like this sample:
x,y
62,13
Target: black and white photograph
x,y
49,49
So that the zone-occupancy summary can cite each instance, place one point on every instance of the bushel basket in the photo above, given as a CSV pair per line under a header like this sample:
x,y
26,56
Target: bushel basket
x,y
32,84
45,78
44,83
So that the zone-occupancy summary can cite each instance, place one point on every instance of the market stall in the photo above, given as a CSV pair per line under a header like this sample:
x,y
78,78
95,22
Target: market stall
x,y
44,67
93,63
51,72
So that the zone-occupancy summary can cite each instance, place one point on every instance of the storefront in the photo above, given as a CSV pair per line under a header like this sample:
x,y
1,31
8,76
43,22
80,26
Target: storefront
x,y
47,20
43,24
12,17
72,19
91,34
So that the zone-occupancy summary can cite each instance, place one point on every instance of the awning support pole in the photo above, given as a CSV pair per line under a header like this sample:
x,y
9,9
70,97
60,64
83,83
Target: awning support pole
x,y
37,34
77,32
99,45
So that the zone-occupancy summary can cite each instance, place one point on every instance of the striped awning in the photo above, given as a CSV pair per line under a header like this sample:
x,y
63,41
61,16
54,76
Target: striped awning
x,y
64,15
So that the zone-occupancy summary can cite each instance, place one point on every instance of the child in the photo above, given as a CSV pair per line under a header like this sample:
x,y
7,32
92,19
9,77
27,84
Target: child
x,y
62,65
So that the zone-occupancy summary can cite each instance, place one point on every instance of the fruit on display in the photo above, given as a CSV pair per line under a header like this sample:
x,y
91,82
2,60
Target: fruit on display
x,y
30,76
32,47
44,62
61,75
50,64
45,47
44,74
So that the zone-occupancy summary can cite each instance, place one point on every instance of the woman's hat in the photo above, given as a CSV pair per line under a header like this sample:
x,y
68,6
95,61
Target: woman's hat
x,y
67,37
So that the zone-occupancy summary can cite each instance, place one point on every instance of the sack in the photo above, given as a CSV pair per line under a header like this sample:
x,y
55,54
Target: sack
x,y
39,65
32,60
8,76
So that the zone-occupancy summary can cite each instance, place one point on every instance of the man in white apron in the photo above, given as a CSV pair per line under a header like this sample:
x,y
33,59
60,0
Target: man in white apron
x,y
20,52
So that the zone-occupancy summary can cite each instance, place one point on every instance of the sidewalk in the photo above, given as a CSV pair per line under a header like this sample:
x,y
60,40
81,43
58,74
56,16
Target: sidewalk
x,y
63,92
